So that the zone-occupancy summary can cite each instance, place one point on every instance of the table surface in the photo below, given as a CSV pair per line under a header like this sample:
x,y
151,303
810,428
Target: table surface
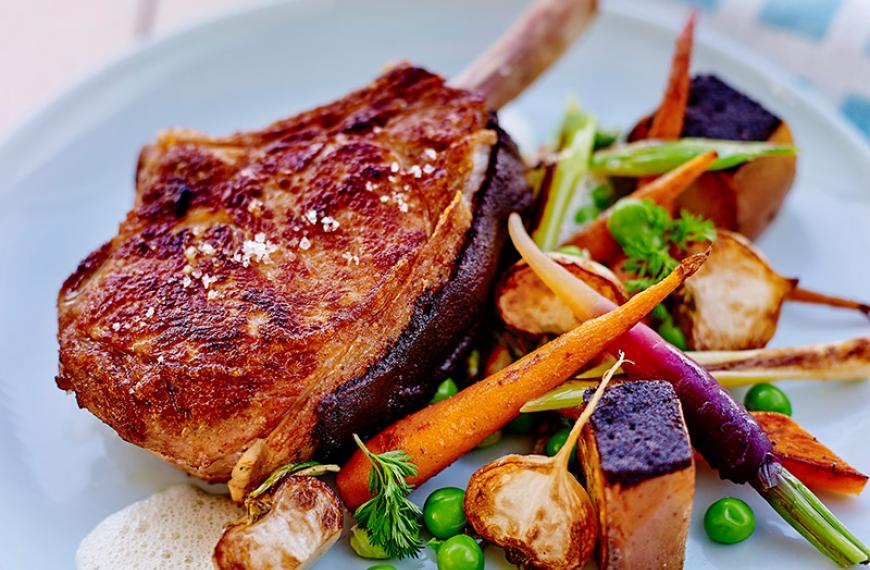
x,y
46,45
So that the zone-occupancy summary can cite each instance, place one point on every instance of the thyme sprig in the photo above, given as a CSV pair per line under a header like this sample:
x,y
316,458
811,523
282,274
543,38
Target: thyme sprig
x,y
259,501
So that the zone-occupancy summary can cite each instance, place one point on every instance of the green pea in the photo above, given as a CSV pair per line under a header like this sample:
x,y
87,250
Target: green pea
x,y
669,331
362,546
445,390
460,552
557,441
767,398
586,214
573,250
493,438
522,424
443,513
660,313
603,196
729,521
627,219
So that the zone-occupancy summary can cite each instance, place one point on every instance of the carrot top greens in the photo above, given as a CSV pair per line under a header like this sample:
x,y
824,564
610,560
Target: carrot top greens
x,y
389,518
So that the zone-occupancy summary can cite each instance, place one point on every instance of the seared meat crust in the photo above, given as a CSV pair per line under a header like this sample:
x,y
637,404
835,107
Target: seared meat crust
x,y
271,289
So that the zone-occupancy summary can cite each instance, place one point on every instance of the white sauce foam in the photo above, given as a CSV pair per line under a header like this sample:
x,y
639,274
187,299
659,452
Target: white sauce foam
x,y
177,528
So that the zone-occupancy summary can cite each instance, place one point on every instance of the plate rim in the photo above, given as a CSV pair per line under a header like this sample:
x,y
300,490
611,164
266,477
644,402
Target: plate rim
x,y
23,140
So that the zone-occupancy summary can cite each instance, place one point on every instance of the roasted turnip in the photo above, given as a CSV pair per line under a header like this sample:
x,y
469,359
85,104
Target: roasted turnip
x,y
527,305
533,507
304,520
734,301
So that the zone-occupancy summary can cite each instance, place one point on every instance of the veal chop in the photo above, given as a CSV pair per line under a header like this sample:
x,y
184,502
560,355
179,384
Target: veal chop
x,y
275,291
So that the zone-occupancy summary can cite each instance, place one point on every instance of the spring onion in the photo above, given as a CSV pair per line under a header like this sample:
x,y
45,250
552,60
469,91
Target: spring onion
x,y
653,157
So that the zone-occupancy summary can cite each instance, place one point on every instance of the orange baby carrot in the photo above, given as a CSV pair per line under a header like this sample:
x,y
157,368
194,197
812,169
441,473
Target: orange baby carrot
x,y
439,434
668,120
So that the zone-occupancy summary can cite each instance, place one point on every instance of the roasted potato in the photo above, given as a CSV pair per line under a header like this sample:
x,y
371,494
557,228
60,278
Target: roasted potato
x,y
743,199
806,458
747,198
639,471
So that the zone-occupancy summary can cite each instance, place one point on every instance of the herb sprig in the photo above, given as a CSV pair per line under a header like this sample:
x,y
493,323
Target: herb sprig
x,y
391,520
690,228
648,235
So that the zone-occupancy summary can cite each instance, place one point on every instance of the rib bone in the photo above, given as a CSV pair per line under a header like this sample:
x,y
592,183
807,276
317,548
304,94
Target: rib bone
x,y
532,44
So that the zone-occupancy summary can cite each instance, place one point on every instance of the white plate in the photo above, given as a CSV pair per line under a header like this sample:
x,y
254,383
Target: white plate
x,y
67,182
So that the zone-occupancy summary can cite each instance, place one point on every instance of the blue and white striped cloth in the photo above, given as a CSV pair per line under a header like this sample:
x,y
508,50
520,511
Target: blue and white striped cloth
x,y
825,43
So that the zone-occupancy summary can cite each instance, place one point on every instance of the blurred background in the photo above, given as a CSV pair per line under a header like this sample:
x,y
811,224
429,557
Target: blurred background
x,y
48,45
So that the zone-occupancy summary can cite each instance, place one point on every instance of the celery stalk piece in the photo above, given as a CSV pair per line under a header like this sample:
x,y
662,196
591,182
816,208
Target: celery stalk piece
x,y
577,137
568,395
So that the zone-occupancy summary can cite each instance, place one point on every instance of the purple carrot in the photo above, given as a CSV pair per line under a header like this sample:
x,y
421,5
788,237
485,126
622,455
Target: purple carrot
x,y
723,432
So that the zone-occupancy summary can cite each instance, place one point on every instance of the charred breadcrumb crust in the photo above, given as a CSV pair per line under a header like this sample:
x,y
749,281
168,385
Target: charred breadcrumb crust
x,y
405,379
639,431
718,111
